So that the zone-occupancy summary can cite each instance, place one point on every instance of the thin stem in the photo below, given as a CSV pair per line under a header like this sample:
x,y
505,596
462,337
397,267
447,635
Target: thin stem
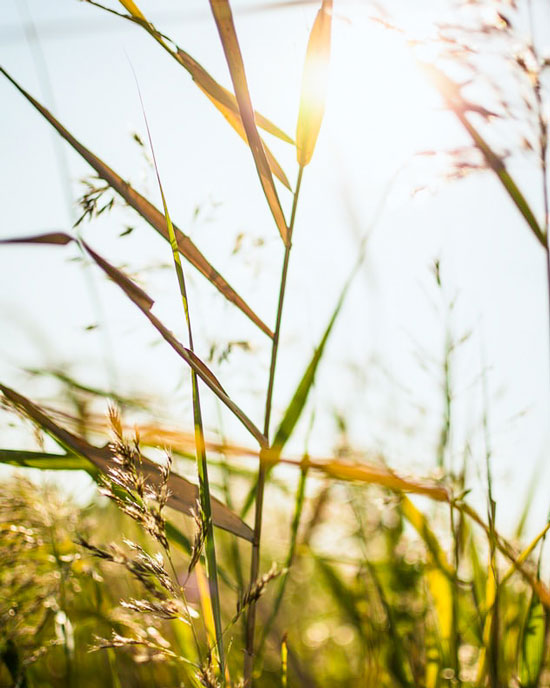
x,y
259,501
282,290
543,152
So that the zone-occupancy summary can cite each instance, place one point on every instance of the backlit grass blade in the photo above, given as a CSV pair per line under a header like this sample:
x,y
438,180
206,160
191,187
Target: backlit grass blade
x,y
298,508
226,29
220,96
439,586
369,473
147,211
488,658
223,98
450,92
144,302
202,463
44,460
533,644
183,494
234,119
314,83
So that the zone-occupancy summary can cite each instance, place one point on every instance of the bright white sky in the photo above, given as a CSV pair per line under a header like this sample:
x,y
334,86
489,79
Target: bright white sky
x,y
383,368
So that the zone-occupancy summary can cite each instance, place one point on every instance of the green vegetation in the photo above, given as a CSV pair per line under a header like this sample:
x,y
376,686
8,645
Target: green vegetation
x,y
163,584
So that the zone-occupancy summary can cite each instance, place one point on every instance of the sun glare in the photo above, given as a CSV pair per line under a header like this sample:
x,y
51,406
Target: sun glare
x,y
379,101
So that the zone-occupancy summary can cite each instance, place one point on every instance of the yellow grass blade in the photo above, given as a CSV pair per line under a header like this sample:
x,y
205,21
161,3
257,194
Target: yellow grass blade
x,y
226,29
183,494
132,8
206,604
314,80
148,211
419,522
220,96
440,591
378,475
231,114
522,558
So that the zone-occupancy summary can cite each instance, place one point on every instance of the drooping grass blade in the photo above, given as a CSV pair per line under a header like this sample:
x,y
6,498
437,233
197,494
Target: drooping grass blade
x,y
147,211
144,302
183,494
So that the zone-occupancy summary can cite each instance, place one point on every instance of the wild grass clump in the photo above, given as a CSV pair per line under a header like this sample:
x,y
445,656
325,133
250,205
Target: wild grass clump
x,y
355,574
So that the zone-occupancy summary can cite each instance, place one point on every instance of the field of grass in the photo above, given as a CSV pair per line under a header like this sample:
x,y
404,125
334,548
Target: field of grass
x,y
204,561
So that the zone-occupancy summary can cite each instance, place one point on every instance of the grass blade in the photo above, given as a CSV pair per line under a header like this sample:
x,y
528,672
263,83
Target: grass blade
x,y
144,302
420,523
450,92
147,211
313,93
220,96
232,116
226,29
533,642
183,495
538,587
202,463
525,554
44,460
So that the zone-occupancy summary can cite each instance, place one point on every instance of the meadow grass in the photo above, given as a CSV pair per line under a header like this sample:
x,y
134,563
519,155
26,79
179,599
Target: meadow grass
x,y
406,593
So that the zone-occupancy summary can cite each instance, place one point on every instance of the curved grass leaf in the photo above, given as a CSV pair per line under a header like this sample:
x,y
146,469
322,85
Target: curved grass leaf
x,y
147,211
314,79
44,460
183,494
226,29
232,116
144,302
219,95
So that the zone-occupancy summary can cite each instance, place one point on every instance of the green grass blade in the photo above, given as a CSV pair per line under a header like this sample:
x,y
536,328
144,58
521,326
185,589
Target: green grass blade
x,y
147,211
44,460
533,644
205,499
221,10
